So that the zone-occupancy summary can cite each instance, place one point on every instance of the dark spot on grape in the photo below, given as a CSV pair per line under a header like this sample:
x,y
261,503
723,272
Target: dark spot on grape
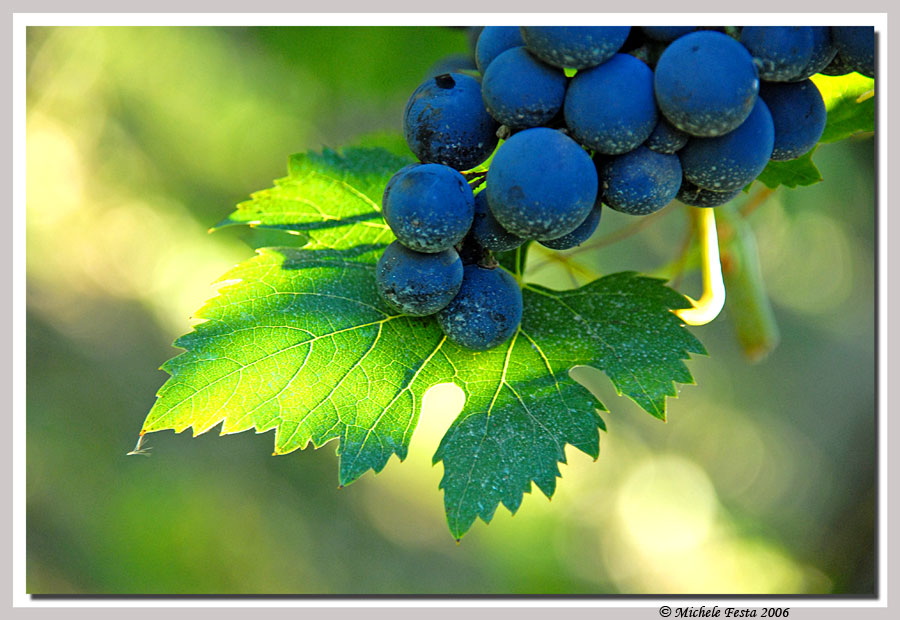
x,y
445,80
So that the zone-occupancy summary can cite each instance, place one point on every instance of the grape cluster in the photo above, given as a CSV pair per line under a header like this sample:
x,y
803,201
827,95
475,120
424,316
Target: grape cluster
x,y
628,117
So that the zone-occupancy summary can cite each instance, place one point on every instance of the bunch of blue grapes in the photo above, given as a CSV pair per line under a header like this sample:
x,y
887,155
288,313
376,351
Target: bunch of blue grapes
x,y
628,117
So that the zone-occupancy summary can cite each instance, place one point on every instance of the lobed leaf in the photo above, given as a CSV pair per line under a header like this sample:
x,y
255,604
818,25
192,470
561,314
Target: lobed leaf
x,y
298,341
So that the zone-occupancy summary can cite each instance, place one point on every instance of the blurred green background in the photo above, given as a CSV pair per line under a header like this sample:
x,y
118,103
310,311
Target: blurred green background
x,y
139,139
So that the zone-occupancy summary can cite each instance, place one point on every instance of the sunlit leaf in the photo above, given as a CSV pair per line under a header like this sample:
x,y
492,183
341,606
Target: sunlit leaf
x,y
849,103
298,341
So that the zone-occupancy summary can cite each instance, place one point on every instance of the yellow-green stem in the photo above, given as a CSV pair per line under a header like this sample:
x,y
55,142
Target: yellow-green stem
x,y
707,308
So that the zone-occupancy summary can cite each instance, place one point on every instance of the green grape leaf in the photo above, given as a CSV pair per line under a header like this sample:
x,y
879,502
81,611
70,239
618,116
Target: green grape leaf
x,y
792,173
849,103
523,407
298,341
323,195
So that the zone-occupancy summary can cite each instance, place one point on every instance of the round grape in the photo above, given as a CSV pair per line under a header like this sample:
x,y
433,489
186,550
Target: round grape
x,y
495,40
576,47
521,91
487,310
640,182
798,114
390,184
823,52
856,45
541,184
430,208
730,162
445,122
781,52
706,83
415,283
611,108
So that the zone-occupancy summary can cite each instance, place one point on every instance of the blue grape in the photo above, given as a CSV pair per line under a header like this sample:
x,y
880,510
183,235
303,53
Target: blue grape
x,y
452,63
823,52
706,83
488,232
640,182
667,33
798,114
576,47
521,91
695,196
856,46
730,162
487,310
430,208
611,108
580,234
781,52
666,138
445,122
541,184
415,283
493,41
390,184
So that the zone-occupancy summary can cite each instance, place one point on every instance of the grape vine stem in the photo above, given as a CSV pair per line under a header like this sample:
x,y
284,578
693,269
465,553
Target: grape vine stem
x,y
711,302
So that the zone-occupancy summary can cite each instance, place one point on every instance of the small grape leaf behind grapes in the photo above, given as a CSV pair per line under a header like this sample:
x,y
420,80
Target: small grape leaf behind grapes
x,y
298,341
792,173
